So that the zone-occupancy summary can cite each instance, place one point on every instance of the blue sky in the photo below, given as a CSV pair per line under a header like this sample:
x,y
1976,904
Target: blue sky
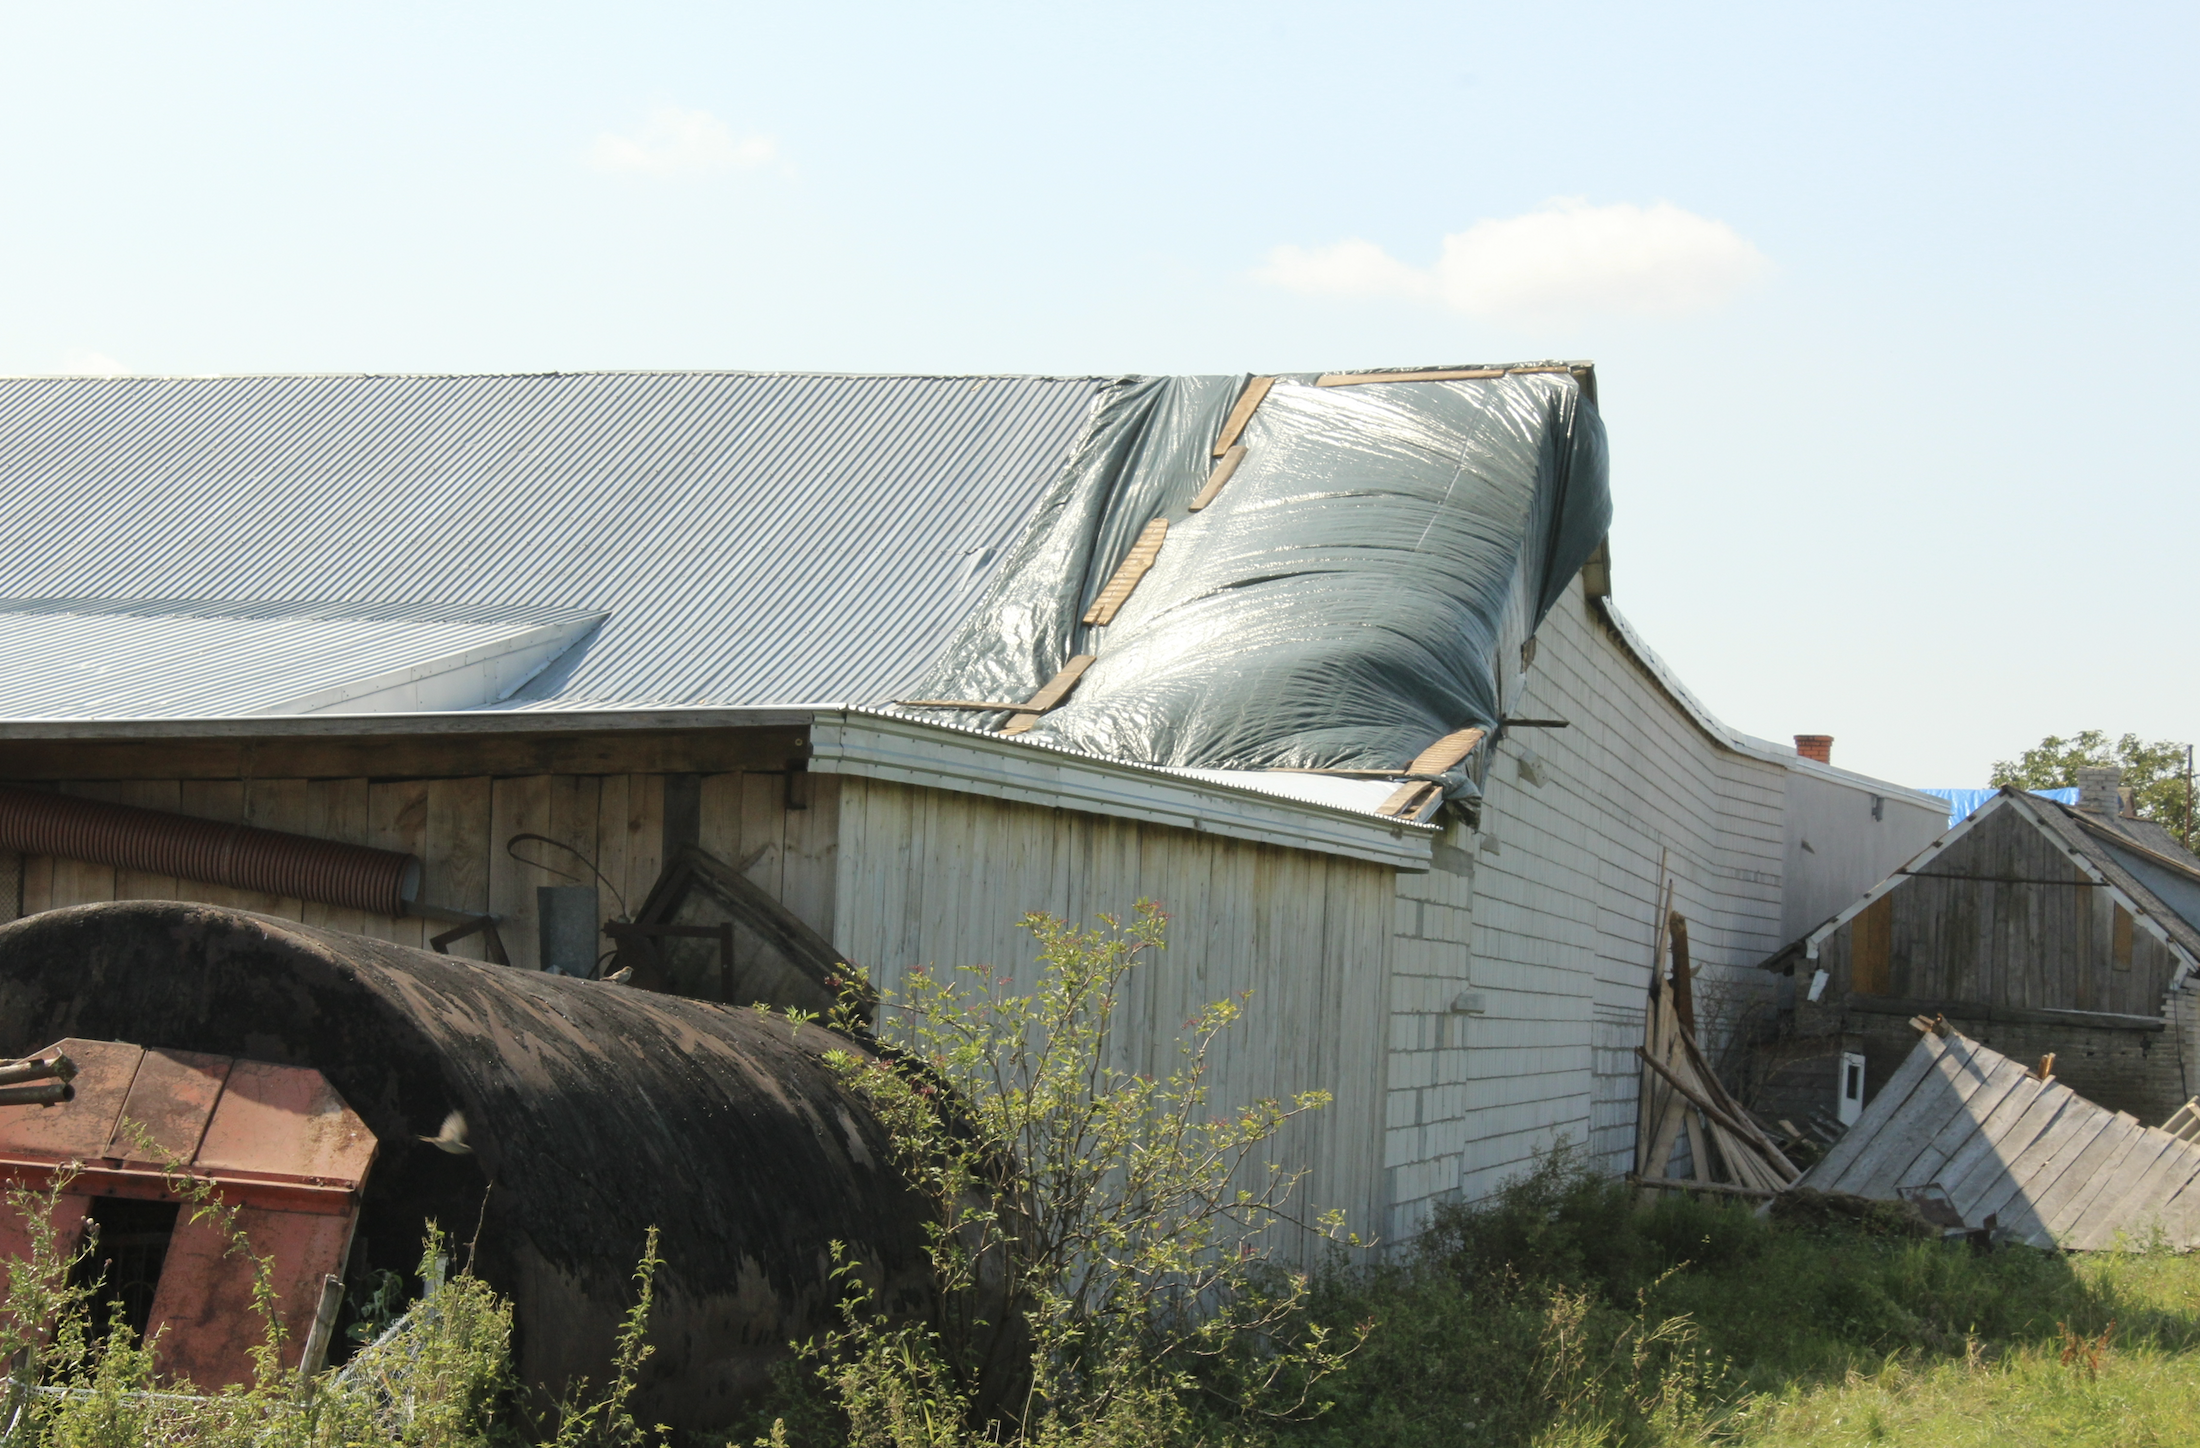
x,y
1891,305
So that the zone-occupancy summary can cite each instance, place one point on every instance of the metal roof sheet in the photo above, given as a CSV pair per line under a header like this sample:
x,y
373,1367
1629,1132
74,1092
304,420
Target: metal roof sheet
x,y
756,538
102,658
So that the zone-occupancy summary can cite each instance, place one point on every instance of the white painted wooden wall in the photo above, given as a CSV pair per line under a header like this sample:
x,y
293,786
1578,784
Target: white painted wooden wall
x,y
934,878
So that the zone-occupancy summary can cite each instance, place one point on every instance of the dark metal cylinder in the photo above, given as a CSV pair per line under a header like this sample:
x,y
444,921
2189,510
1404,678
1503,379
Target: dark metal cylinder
x,y
159,843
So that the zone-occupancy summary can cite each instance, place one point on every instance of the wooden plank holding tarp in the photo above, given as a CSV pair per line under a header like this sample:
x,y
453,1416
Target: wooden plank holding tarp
x,y
1051,693
1419,796
1223,469
1133,567
2022,1155
1242,413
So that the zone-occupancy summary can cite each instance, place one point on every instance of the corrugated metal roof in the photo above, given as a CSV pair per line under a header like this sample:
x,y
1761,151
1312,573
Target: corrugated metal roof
x,y
94,659
756,538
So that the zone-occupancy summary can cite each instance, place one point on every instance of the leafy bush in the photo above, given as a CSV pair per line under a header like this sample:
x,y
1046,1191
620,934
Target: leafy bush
x,y
1097,1237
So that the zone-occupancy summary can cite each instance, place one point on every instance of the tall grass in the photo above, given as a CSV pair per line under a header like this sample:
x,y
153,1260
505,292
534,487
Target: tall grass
x,y
1561,1313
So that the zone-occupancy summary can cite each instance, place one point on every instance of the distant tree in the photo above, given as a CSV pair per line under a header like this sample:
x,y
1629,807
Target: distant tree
x,y
2156,770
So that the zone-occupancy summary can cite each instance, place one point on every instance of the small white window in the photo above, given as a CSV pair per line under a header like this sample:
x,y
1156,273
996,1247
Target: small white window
x,y
1851,1104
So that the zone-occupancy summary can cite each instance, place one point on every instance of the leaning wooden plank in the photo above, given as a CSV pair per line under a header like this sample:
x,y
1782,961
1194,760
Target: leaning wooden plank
x,y
1133,567
1883,1165
2138,1196
1241,414
1667,1136
1355,379
1877,1114
1680,1078
1981,1170
2001,1078
1716,1091
1678,1184
2059,1209
1219,476
2092,1212
1050,694
1964,1067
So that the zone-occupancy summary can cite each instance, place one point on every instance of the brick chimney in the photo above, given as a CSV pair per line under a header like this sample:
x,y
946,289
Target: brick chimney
x,y
1815,746
2099,789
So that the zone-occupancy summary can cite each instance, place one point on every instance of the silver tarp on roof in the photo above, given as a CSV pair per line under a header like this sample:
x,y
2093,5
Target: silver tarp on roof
x,y
1361,585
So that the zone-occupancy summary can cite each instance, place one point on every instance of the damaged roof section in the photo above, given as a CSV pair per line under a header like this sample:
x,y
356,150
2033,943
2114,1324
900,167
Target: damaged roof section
x,y
2006,1146
1312,572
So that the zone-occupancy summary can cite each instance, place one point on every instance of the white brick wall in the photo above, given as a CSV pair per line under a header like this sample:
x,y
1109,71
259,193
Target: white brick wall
x,y
1549,915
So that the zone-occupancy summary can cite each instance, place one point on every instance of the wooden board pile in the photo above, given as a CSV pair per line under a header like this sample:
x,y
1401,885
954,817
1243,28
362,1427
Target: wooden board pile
x,y
2005,1146
1681,1096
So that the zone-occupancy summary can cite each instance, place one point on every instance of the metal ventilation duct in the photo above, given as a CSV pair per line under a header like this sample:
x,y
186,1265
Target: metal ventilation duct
x,y
240,856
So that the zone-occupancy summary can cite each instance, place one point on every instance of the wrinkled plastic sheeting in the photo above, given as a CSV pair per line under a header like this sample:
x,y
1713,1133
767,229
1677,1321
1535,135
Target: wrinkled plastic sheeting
x,y
1360,587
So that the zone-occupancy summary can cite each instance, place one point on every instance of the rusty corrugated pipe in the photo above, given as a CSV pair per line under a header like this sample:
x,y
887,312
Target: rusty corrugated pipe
x,y
160,843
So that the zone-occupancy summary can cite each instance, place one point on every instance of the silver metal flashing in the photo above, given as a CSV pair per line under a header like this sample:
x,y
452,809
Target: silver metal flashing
x,y
909,751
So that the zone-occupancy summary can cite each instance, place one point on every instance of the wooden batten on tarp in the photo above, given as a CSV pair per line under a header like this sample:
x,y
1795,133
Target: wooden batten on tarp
x,y
1416,799
1242,413
1051,693
1228,464
1133,567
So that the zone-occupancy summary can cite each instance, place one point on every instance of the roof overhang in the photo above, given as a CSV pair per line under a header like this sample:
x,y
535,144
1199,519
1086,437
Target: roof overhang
x,y
866,744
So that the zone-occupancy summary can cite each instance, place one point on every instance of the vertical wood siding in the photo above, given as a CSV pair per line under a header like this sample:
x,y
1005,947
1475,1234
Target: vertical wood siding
x,y
938,879
459,828
2027,928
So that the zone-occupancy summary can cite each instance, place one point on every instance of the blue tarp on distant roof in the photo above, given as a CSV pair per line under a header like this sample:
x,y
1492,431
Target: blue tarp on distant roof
x,y
1961,802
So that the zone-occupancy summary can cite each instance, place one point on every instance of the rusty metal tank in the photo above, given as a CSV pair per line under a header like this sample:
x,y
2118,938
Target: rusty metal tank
x,y
593,1112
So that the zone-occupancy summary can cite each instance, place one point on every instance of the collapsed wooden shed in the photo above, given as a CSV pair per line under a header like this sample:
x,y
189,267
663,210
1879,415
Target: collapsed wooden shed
x,y
1981,1142
2033,927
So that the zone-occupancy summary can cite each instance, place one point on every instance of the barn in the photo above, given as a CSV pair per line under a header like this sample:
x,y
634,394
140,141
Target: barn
x,y
861,668
2035,927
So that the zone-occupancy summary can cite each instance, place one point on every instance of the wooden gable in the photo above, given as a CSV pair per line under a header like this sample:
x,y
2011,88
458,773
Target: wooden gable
x,y
2002,917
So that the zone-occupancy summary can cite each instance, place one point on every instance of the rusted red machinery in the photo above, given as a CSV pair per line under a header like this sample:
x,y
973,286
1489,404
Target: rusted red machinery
x,y
593,1112
276,1142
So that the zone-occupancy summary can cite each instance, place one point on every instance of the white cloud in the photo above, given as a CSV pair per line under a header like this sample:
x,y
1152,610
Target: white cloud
x,y
676,142
1351,268
84,362
1565,259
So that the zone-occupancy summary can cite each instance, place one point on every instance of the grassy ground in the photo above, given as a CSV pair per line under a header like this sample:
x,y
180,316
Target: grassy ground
x,y
1561,1315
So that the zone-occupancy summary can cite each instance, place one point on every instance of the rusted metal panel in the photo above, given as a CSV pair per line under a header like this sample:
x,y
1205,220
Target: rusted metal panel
x,y
276,1142
285,1123
171,1099
204,1312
